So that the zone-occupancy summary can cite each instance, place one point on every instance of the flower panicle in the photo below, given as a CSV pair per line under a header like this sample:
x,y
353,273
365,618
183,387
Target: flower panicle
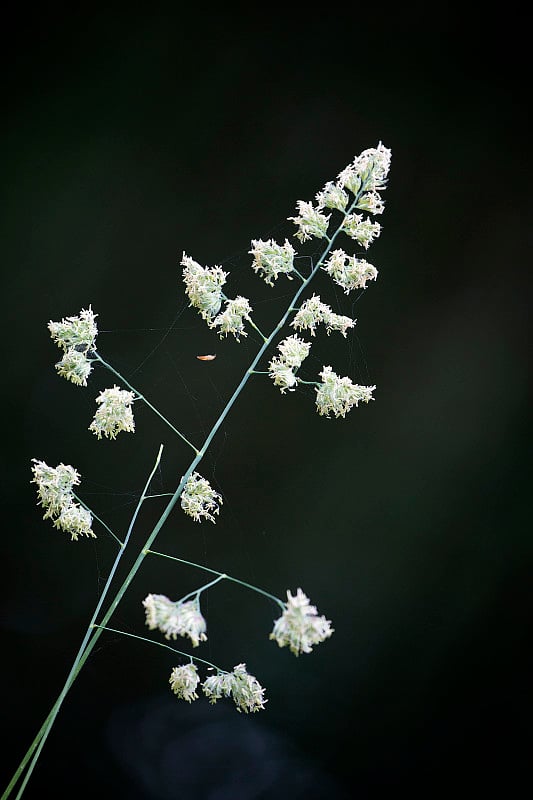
x,y
349,272
199,499
232,319
272,259
299,627
114,413
183,682
245,689
203,286
55,494
76,336
282,369
337,396
175,619
78,332
313,312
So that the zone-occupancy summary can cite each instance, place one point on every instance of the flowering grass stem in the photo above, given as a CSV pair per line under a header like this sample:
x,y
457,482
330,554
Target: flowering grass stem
x,y
94,629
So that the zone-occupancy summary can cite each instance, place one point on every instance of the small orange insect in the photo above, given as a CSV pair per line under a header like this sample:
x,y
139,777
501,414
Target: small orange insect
x,y
206,358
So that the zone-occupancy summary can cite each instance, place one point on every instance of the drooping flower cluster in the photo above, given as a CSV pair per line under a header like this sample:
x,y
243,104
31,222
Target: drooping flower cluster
x,y
183,682
76,336
282,368
272,259
368,171
299,626
175,618
337,395
313,311
199,499
332,196
56,496
203,286
114,413
231,320
364,231
245,689
310,221
349,272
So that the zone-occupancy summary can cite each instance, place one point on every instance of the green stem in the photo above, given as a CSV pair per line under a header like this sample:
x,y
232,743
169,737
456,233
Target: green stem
x,y
197,592
143,398
160,644
82,655
221,575
98,519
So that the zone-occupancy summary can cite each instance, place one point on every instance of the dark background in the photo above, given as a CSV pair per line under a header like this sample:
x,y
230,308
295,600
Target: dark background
x,y
128,139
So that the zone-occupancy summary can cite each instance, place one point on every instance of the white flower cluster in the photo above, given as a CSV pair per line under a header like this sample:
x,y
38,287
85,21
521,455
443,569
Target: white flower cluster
x,y
245,689
337,395
310,221
299,626
114,413
55,495
76,336
367,171
203,286
272,259
349,272
231,320
364,231
332,196
175,619
183,682
282,368
313,311
199,500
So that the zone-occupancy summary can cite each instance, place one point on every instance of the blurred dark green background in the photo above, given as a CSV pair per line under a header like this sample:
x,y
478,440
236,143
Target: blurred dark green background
x,y
128,139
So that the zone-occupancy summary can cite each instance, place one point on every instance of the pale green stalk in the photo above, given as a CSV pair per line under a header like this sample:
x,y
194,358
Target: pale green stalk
x,y
140,396
221,576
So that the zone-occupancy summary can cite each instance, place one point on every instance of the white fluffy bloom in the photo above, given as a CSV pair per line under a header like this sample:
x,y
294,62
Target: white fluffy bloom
x,y
198,499
183,682
245,689
54,486
77,333
282,368
349,272
76,520
114,413
299,626
311,222
203,286
282,375
332,196
364,231
371,202
175,619
272,259
75,367
313,311
56,496
294,350
231,320
337,395
368,170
